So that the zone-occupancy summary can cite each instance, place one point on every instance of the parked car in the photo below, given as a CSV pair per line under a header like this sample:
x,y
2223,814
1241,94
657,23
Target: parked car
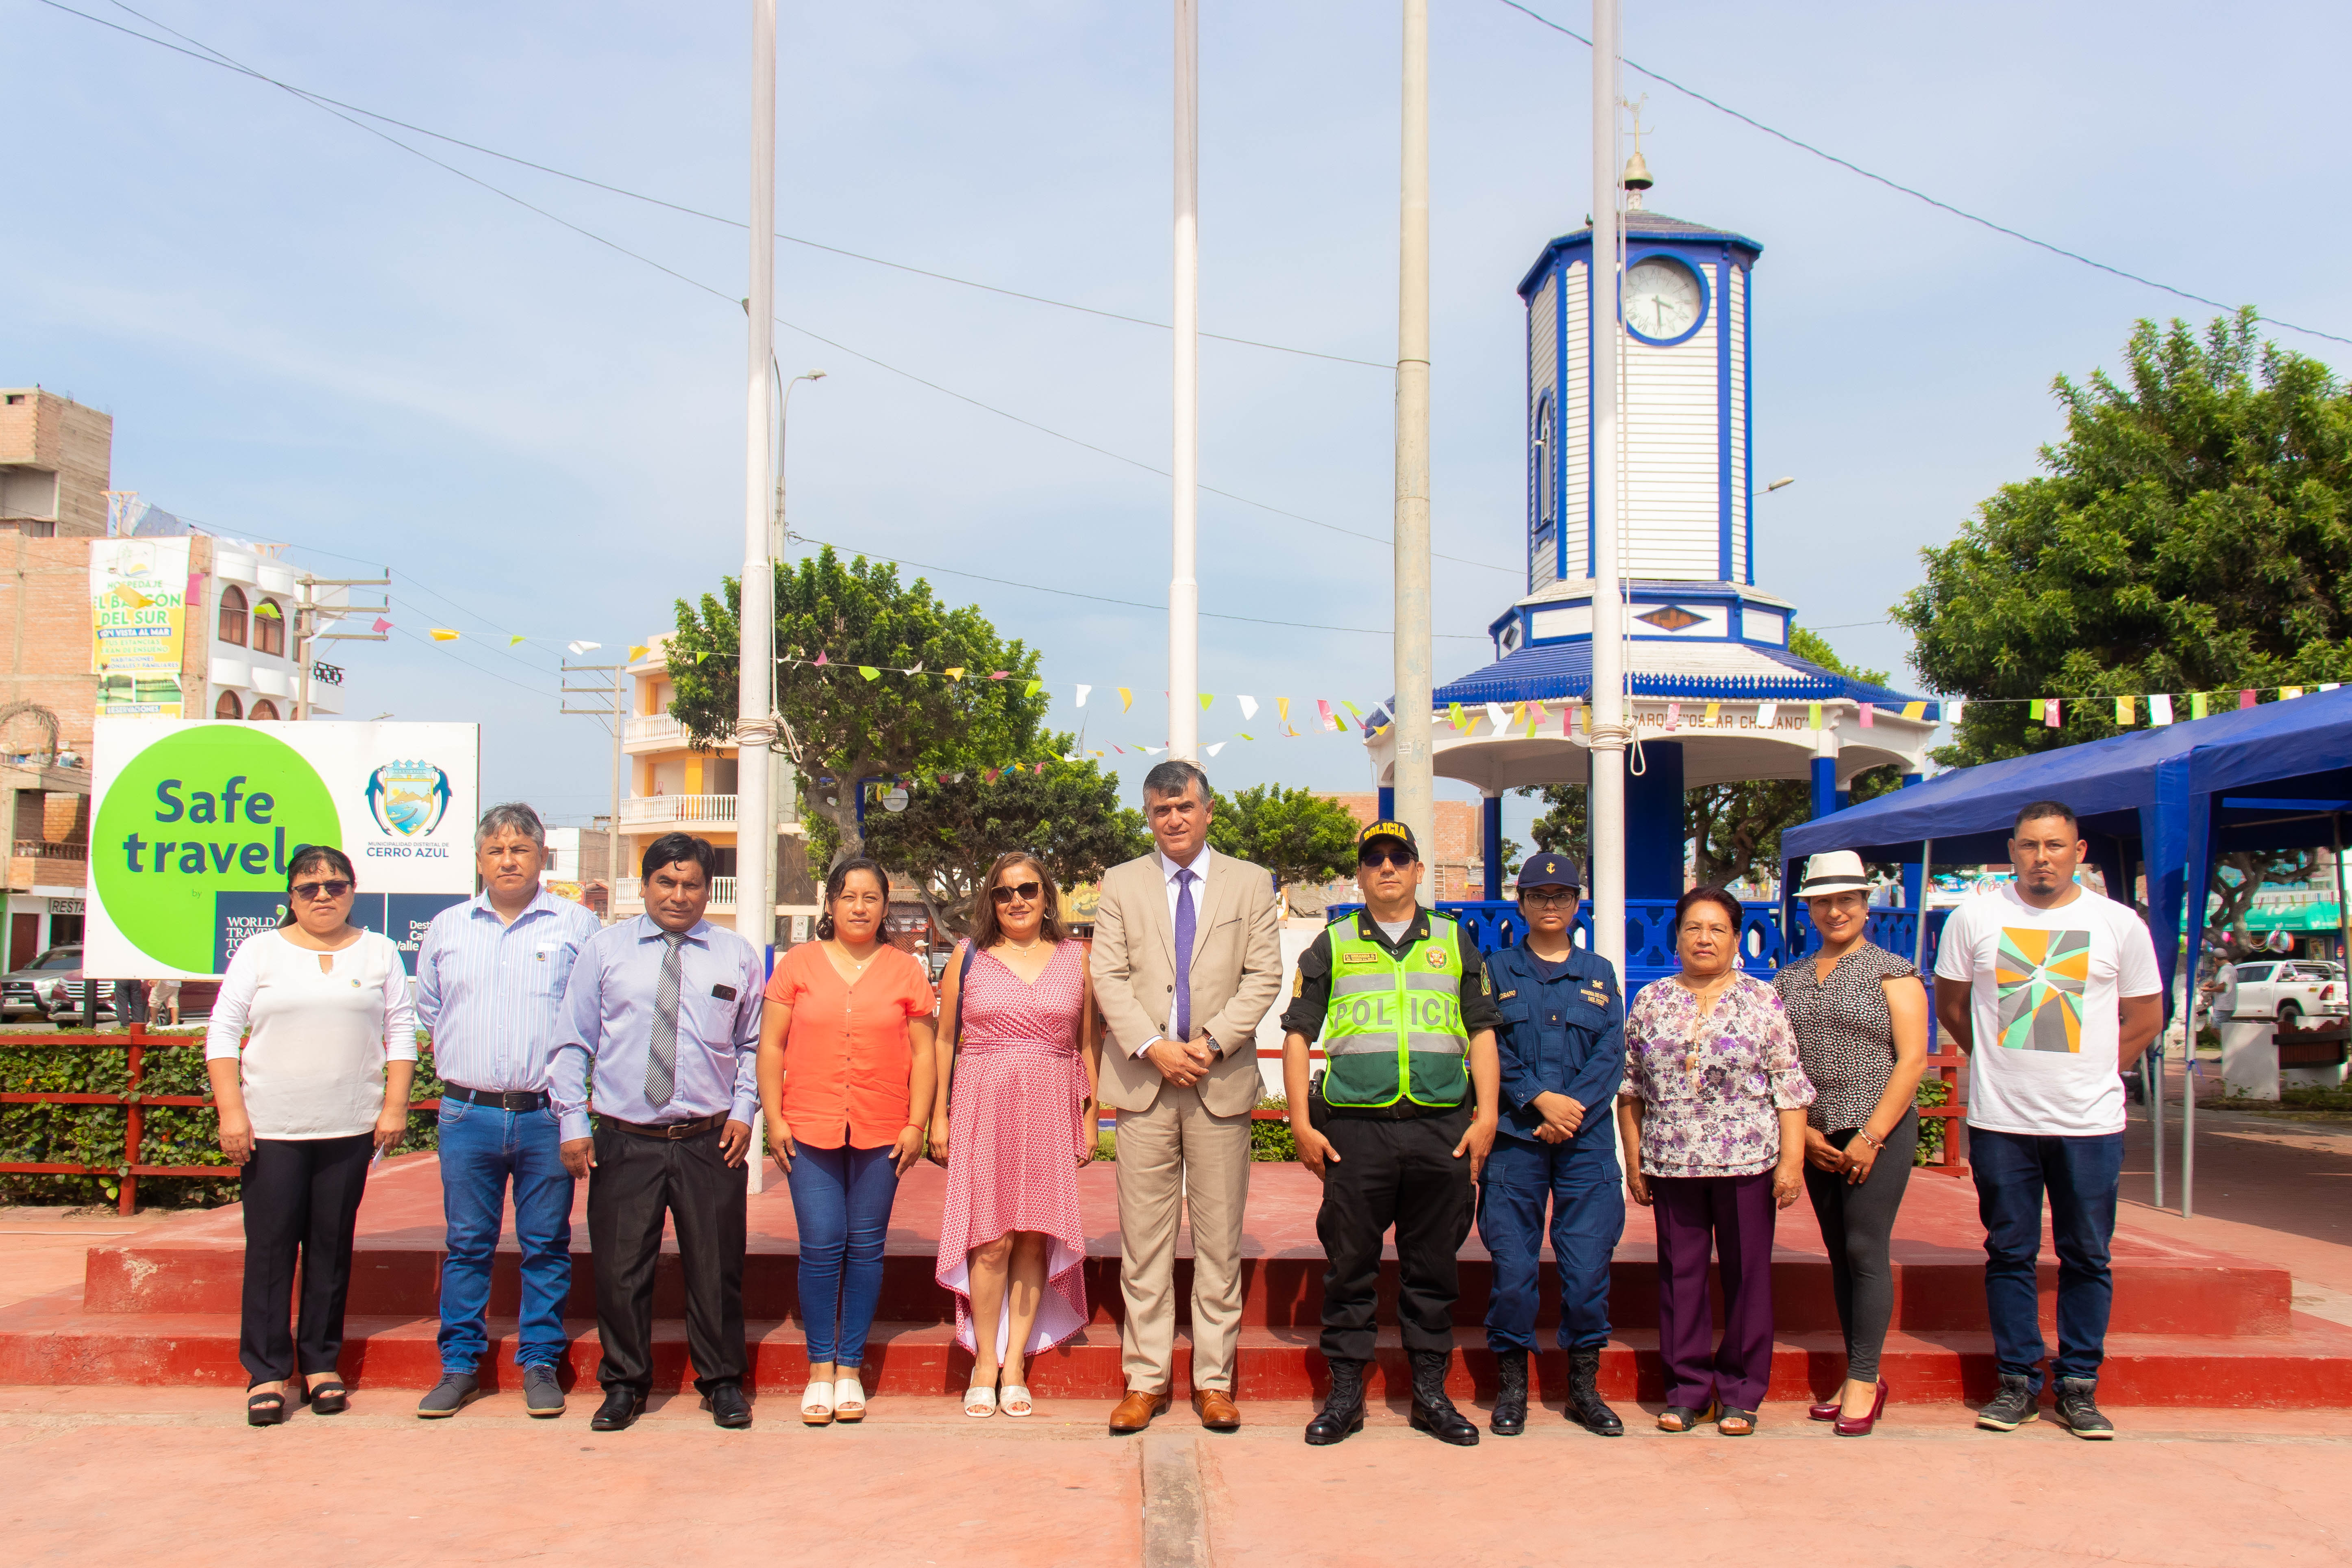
x,y
2285,989
18,996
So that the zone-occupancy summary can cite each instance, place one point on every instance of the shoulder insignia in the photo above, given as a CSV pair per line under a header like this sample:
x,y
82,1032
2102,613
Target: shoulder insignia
x,y
1506,996
1298,983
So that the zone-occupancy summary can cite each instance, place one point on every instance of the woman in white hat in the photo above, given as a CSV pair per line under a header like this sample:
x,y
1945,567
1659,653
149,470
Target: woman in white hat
x,y
1861,1020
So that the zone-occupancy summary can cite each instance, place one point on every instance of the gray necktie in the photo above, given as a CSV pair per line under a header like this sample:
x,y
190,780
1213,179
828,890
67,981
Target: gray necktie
x,y
661,1061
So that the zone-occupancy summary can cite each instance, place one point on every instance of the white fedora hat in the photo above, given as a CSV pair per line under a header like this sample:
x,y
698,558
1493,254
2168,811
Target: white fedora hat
x,y
1833,872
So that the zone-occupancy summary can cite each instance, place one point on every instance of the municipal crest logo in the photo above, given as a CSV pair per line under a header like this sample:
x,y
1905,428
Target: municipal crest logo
x,y
408,797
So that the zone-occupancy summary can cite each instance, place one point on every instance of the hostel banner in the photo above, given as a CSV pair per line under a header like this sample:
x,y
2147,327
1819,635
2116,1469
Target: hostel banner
x,y
194,822
139,595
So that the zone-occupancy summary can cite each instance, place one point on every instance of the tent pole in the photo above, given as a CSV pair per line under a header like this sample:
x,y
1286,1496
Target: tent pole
x,y
2151,1062
1919,925
2188,1117
2343,915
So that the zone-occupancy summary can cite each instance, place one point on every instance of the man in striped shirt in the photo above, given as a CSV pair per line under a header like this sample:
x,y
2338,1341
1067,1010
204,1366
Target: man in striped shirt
x,y
489,979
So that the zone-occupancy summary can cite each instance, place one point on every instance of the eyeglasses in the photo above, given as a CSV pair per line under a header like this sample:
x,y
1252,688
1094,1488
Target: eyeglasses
x,y
320,890
1549,897
1025,891
1371,859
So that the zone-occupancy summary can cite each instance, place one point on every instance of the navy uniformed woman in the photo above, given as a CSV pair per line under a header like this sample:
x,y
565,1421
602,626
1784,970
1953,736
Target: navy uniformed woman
x,y
1562,1048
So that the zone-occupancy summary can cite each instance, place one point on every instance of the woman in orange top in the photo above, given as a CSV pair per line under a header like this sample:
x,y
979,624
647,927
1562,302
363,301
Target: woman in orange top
x,y
846,1076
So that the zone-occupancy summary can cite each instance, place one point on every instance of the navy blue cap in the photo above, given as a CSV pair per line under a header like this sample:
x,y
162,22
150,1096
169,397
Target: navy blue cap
x,y
1551,871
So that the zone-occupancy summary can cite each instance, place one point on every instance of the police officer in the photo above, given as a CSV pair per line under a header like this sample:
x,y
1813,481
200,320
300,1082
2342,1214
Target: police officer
x,y
1392,1127
1562,1045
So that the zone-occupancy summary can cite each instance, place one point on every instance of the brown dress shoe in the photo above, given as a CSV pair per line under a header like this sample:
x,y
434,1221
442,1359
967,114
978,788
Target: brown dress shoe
x,y
1135,1412
1218,1413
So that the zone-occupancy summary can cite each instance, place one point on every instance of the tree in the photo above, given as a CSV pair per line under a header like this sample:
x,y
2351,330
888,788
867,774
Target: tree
x,y
2193,533
845,726
1069,816
1297,834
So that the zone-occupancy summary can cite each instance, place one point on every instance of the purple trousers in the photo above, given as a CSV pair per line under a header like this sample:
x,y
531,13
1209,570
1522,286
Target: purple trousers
x,y
1734,1214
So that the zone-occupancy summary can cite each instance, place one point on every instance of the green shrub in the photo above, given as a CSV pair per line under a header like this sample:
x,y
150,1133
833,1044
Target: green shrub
x,y
169,1134
1271,1141
1932,1092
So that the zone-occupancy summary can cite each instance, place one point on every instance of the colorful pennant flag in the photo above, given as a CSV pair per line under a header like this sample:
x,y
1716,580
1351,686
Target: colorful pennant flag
x,y
266,610
1955,711
576,649
384,626
2159,710
1870,715
2196,704
869,673
999,675
1713,711
1207,698
1330,718
2034,710
2050,719
2246,698
442,634
1126,698
1213,750
1812,715
821,659
1082,696
514,639
2288,692
1282,709
1764,712
1916,710
1249,708
1034,687
2124,712
1498,718
955,672
1674,716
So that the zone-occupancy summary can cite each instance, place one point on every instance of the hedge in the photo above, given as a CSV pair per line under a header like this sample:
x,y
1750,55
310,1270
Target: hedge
x,y
170,1135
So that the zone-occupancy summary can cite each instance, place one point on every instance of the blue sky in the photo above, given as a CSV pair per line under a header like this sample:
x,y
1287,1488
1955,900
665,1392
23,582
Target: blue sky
x,y
305,333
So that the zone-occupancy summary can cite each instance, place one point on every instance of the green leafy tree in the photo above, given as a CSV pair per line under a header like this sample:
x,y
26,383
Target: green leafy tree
x,y
846,727
1069,817
1297,834
2192,533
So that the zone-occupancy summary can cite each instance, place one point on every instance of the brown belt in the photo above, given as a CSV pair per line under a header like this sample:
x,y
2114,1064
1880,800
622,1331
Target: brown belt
x,y
672,1129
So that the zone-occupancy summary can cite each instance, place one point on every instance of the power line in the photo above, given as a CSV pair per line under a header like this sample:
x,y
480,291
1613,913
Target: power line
x,y
212,56
1852,167
324,106
1106,599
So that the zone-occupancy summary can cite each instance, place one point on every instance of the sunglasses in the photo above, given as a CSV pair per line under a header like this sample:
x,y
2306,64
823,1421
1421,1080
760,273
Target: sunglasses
x,y
1371,859
1025,891
320,890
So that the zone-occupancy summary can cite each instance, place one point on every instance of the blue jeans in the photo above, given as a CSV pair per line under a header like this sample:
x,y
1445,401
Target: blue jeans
x,y
1581,1180
482,1147
2013,1170
841,1201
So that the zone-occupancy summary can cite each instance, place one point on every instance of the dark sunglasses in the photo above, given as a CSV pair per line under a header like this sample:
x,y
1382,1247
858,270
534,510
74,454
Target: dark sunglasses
x,y
1025,891
1374,858
320,890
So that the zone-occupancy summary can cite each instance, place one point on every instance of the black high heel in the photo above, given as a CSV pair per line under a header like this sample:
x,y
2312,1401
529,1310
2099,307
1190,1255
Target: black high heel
x,y
266,1409
327,1397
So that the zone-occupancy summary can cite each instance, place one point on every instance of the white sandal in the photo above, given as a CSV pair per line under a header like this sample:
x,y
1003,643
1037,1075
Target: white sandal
x,y
1016,1393
980,1401
816,1404
849,1398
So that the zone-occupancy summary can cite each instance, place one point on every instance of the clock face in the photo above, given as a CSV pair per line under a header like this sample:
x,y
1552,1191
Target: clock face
x,y
1662,297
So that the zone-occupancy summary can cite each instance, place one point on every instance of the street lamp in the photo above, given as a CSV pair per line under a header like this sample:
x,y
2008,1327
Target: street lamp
x,y
784,407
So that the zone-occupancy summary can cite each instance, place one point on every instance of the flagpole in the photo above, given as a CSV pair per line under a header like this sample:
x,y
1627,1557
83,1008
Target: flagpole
x,y
755,836
1606,796
1183,586
1412,777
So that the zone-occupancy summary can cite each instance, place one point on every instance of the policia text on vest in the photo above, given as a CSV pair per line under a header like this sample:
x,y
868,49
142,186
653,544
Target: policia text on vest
x,y
1401,1123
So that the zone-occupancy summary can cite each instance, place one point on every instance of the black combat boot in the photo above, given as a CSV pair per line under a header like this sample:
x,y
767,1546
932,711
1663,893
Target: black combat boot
x,y
1510,1393
1584,1405
1433,1411
1343,1412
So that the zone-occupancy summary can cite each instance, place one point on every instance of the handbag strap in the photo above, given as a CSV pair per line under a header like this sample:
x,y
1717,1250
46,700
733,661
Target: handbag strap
x,y
964,979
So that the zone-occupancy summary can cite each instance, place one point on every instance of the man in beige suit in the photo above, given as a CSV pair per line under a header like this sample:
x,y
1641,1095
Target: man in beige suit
x,y
1187,959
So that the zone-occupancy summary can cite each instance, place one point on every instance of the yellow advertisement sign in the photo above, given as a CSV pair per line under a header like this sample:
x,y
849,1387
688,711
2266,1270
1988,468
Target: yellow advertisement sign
x,y
139,591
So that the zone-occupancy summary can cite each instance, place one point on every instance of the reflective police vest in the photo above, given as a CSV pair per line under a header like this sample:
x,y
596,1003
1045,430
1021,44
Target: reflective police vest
x,y
1392,1030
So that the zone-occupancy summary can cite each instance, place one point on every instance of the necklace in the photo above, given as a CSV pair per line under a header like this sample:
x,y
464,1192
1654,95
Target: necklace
x,y
857,964
1030,946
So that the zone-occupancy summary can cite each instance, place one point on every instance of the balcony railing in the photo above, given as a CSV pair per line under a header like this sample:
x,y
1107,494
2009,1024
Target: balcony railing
x,y
679,811
38,849
632,890
659,729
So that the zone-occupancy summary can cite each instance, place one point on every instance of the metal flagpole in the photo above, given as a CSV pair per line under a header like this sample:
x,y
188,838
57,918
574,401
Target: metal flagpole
x,y
1410,713
755,857
1605,797
1183,586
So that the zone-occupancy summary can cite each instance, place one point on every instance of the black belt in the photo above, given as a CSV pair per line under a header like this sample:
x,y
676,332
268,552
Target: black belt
x,y
672,1129
504,1099
1405,1110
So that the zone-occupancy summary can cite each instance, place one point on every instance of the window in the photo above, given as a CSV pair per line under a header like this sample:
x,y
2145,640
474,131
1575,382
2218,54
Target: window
x,y
263,711
270,628
232,614
1546,501
229,707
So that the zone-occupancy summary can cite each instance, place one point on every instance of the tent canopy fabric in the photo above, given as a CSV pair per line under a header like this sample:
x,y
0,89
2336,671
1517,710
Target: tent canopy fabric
x,y
2272,777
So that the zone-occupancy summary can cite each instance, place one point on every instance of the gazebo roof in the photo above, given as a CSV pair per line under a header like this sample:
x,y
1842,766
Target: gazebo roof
x,y
1554,672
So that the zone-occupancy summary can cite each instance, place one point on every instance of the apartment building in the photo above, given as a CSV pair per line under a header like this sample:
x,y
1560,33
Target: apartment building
x,y
674,788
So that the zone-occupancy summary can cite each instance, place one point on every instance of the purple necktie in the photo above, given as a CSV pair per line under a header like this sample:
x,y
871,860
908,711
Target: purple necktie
x,y
1184,928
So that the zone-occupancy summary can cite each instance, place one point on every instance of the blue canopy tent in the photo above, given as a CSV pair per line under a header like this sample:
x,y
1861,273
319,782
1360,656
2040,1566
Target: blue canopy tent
x,y
2278,776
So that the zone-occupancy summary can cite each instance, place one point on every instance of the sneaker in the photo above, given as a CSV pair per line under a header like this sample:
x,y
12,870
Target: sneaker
x,y
2012,1407
541,1394
446,1396
2078,1411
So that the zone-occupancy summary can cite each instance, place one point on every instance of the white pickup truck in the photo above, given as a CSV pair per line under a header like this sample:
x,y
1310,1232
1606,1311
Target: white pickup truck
x,y
2286,989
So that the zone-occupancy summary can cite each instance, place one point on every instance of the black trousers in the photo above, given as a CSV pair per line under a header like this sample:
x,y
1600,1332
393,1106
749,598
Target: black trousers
x,y
636,1181
1399,1174
1858,1228
301,1202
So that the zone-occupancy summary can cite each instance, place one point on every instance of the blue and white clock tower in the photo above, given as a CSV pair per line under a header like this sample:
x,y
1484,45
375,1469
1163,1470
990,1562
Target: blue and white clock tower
x,y
1713,690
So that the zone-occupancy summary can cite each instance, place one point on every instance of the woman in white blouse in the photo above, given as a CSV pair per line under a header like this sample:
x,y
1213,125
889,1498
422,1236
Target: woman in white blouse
x,y
323,1088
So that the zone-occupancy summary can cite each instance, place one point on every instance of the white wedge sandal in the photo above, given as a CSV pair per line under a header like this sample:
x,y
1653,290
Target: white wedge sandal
x,y
816,1404
1015,1394
980,1401
849,1398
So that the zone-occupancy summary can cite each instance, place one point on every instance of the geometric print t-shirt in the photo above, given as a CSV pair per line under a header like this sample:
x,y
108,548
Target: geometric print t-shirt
x,y
2044,989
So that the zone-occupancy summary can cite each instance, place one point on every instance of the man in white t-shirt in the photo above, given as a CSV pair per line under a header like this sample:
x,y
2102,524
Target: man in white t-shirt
x,y
2053,991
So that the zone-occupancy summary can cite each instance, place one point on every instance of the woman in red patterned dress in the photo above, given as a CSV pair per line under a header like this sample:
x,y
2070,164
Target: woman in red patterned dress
x,y
1023,1042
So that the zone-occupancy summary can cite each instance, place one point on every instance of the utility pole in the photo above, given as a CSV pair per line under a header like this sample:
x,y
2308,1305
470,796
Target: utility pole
x,y
1416,805
755,684
1606,757
1183,585
310,615
785,812
613,708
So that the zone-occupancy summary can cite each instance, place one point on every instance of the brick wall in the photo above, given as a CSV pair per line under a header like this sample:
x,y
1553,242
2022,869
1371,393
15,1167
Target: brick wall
x,y
1456,866
40,429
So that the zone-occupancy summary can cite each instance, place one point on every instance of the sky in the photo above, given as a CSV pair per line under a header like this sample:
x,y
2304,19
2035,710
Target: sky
x,y
308,334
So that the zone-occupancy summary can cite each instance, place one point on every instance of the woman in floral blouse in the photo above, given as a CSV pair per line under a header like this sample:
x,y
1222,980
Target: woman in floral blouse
x,y
1714,1099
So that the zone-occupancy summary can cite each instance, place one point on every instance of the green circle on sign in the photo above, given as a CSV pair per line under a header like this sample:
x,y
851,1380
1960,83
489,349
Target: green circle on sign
x,y
231,803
